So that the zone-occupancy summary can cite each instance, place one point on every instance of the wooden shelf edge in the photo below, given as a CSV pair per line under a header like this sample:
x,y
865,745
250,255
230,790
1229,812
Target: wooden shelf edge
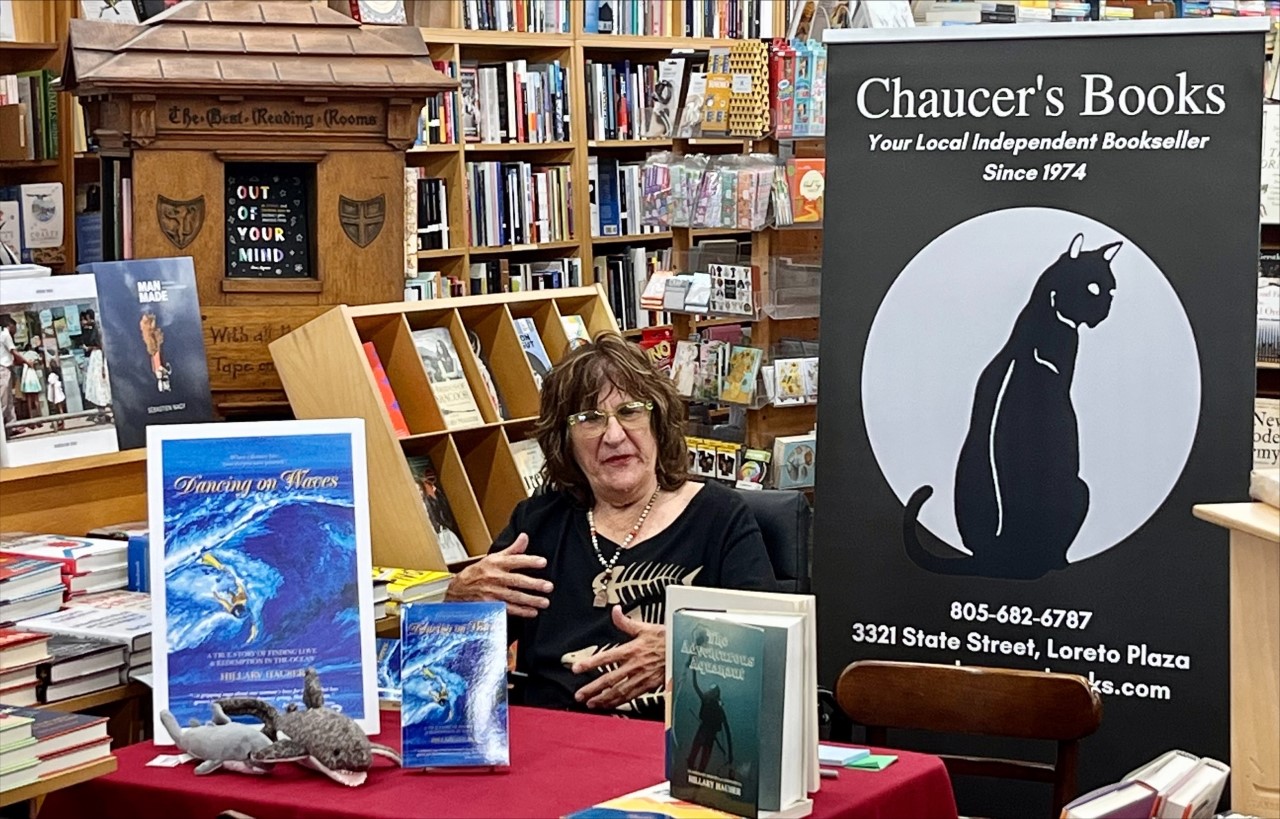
x,y
465,36
490,250
495,147
453,302
70,466
633,237
1255,518
63,780
445,253
93,700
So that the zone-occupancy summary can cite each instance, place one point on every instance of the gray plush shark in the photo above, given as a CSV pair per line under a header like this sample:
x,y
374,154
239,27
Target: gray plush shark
x,y
220,743
320,738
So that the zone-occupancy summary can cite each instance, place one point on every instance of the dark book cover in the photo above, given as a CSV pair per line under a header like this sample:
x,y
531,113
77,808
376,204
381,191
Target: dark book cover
x,y
439,512
155,345
714,742
453,678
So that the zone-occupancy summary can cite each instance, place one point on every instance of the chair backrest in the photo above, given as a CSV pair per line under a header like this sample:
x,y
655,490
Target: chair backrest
x,y
1002,702
786,523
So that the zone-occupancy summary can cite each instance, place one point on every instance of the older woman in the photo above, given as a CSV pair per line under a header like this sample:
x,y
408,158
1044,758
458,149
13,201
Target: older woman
x,y
584,566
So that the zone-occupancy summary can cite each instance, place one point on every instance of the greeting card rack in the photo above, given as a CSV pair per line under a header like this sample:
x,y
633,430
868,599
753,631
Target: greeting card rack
x,y
326,374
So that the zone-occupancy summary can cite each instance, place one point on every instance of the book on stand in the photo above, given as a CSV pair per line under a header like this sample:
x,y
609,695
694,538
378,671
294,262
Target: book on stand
x,y
453,678
439,512
448,381
242,611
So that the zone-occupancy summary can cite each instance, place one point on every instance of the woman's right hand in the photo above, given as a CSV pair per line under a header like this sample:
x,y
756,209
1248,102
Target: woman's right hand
x,y
499,576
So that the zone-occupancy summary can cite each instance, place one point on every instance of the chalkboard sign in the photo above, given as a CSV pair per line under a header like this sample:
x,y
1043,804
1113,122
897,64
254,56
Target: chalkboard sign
x,y
269,207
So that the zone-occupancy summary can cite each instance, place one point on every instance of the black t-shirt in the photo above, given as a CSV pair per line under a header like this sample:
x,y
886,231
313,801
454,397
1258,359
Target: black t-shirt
x,y
714,542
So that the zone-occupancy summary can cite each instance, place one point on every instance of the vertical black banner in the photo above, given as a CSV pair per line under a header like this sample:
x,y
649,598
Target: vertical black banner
x,y
1038,315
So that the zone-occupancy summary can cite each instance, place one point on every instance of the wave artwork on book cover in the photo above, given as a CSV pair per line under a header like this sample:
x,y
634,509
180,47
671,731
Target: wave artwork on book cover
x,y
453,678
260,570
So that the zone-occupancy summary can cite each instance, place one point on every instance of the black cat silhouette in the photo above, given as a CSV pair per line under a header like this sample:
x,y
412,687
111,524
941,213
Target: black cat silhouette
x,y
1019,498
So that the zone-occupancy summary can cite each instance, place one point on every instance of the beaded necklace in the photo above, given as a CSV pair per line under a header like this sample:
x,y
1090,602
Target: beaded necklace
x,y
602,595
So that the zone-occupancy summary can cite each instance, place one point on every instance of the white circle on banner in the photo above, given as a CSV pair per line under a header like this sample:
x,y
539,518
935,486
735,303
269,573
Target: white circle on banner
x,y
1136,384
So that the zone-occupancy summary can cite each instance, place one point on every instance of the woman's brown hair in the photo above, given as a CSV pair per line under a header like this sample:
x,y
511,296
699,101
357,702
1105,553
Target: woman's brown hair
x,y
573,385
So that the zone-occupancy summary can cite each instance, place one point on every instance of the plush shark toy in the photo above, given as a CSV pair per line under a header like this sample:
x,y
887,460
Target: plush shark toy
x,y
320,738
218,744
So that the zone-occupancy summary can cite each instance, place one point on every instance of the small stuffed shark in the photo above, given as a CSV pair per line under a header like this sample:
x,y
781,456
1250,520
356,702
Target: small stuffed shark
x,y
320,738
221,743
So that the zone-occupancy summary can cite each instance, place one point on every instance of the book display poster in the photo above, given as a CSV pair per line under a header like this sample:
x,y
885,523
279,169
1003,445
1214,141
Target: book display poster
x,y
155,345
1037,369
269,220
261,560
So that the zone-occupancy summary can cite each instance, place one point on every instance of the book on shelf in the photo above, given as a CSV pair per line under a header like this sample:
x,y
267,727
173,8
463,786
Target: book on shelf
x,y
506,276
453,678
447,380
1266,433
22,649
648,18
23,575
64,396
385,391
794,461
486,375
439,512
150,320
518,203
71,657
531,343
89,683
75,555
1268,347
535,16
529,462
408,585
744,19
653,802
118,617
428,199
1174,785
61,739
516,101
575,329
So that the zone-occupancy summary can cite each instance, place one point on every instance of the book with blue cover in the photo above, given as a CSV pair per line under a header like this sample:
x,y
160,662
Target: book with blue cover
x,y
155,345
260,565
453,682
388,669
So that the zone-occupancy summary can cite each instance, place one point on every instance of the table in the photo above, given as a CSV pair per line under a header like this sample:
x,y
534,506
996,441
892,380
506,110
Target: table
x,y
1255,652
561,762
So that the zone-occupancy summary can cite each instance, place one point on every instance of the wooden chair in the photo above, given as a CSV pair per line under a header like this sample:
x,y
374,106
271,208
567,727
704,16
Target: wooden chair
x,y
999,702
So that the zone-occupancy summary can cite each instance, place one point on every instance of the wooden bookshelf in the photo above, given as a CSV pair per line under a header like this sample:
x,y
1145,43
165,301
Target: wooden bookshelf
x,y
75,495
326,375
66,779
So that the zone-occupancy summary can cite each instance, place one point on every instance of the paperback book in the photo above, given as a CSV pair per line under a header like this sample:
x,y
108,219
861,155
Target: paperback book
x,y
453,676
241,609
448,381
439,512
155,345
531,342
62,404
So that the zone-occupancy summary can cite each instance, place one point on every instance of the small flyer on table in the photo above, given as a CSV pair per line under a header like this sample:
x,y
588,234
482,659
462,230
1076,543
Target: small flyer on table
x,y
260,560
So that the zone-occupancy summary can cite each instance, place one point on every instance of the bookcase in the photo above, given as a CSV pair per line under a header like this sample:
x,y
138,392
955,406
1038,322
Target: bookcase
x,y
452,44
326,374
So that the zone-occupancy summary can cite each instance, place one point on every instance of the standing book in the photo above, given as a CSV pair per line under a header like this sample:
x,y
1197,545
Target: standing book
x,y
63,398
736,734
439,512
260,559
155,345
453,680
448,381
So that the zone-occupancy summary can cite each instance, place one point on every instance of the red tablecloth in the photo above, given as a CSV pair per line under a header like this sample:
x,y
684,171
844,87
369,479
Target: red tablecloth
x,y
560,762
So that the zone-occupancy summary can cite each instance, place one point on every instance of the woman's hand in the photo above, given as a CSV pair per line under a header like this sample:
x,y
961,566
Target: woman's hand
x,y
641,665
499,577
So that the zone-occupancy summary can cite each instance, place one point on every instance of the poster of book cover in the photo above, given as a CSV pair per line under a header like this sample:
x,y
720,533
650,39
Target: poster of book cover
x,y
453,682
260,559
55,395
155,345
1038,374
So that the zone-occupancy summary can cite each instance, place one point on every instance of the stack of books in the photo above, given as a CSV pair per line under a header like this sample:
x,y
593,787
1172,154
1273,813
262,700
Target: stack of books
x,y
89,565
1174,784
408,586
79,666
20,656
28,587
116,618
36,744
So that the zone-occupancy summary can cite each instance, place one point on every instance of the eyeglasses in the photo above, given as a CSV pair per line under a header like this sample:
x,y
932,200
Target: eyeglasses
x,y
593,423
